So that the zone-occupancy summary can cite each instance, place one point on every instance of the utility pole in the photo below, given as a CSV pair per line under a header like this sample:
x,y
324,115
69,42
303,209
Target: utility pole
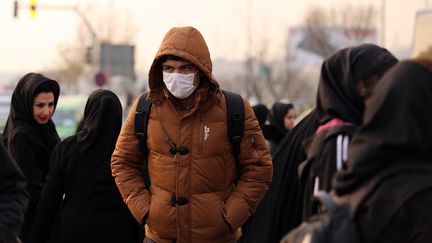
x,y
383,11
249,76
15,9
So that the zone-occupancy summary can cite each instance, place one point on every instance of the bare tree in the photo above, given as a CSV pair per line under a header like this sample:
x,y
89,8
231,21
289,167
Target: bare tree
x,y
111,25
355,22
275,79
268,76
269,79
358,21
318,39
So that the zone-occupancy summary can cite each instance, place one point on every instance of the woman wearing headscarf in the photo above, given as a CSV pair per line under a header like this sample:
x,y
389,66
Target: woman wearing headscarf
x,y
261,113
392,154
281,120
347,80
30,134
92,209
13,198
280,210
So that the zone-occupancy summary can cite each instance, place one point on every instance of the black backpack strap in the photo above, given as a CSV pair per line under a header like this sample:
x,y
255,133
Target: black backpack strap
x,y
235,119
142,114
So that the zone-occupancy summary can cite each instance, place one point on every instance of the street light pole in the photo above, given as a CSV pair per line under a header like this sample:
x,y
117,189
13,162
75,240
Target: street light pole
x,y
382,35
94,42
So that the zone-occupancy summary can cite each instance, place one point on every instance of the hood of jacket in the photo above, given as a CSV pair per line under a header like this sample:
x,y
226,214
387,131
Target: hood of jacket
x,y
186,43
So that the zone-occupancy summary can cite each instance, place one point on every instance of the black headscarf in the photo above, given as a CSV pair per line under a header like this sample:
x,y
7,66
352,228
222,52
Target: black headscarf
x,y
275,130
21,111
337,94
261,112
101,125
397,127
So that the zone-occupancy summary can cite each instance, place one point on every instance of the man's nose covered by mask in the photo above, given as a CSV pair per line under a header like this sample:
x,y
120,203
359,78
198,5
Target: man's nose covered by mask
x,y
180,85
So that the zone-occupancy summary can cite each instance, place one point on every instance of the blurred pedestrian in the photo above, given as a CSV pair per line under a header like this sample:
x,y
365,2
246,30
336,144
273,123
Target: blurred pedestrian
x,y
348,78
392,153
261,113
30,134
282,205
13,198
193,196
281,120
92,209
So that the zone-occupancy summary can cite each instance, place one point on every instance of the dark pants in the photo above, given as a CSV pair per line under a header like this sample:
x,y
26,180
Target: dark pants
x,y
147,240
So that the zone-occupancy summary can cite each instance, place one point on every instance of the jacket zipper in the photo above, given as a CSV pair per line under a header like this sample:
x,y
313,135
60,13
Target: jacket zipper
x,y
201,131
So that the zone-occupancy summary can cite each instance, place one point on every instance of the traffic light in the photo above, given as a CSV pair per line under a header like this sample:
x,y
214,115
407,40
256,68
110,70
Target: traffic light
x,y
33,4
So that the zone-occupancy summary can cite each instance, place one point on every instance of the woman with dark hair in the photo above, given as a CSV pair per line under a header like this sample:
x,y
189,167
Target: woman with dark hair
x,y
348,78
30,134
391,153
92,209
281,120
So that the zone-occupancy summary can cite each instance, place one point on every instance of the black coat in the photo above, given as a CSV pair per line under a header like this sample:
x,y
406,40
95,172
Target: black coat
x,y
280,210
13,197
393,148
338,102
29,142
92,209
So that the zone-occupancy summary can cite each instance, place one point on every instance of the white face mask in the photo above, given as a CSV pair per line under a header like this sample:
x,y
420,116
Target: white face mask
x,y
180,85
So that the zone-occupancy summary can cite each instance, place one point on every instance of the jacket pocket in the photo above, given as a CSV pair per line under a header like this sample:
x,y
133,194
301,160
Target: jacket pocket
x,y
161,217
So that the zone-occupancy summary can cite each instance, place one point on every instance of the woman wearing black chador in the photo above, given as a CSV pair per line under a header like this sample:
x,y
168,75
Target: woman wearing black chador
x,y
391,156
348,79
30,134
92,209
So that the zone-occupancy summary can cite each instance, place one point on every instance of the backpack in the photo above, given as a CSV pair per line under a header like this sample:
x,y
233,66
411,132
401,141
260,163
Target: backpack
x,y
310,168
336,222
235,126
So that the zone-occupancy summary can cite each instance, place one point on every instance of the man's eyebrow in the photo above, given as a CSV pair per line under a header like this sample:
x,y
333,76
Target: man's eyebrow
x,y
189,64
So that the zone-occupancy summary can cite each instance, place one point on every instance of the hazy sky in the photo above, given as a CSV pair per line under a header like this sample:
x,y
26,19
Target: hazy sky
x,y
28,44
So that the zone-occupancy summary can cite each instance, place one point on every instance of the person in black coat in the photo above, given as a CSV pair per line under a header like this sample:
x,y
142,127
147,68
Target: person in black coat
x,y
30,134
261,113
281,208
92,209
392,153
281,120
13,198
348,78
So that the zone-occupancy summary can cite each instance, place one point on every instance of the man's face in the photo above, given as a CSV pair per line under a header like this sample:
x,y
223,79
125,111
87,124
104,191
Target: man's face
x,y
183,67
